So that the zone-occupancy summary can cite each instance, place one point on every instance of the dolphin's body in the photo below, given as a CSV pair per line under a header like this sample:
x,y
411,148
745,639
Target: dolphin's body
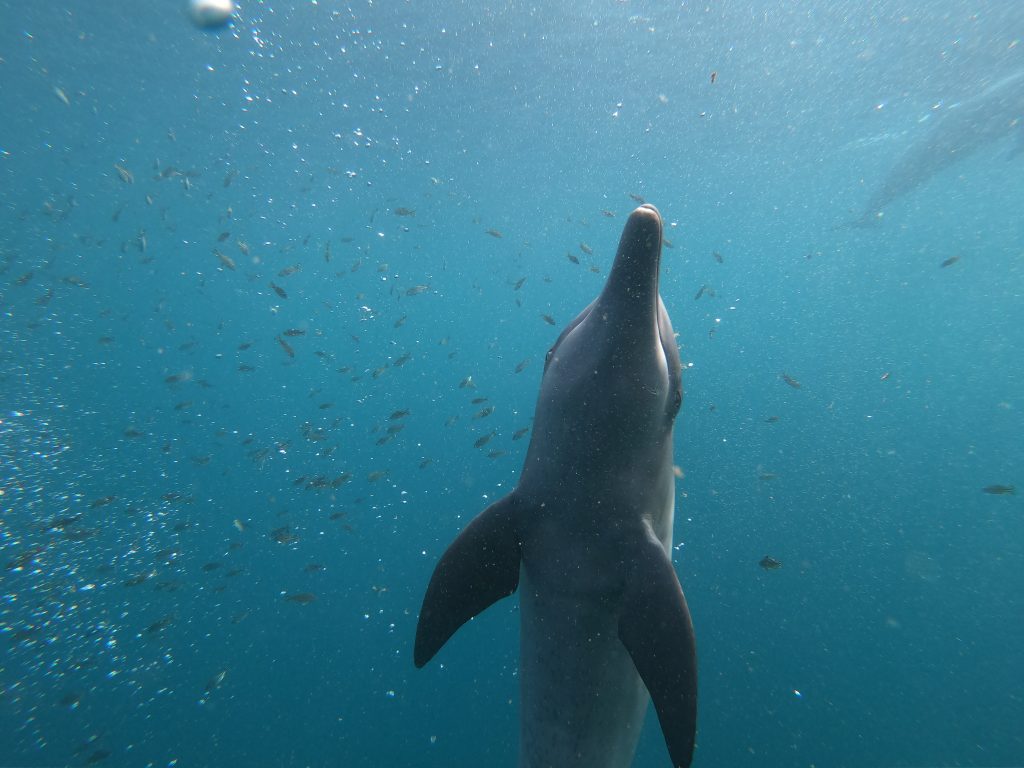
x,y
587,534
959,132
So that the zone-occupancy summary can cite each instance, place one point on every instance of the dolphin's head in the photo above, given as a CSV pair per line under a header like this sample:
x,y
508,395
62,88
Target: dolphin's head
x,y
612,381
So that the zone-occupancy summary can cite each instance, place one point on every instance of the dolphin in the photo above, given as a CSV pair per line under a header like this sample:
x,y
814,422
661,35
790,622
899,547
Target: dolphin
x,y
586,536
959,132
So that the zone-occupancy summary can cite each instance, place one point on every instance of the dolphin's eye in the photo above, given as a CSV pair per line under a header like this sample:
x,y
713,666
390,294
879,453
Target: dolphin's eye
x,y
548,356
677,401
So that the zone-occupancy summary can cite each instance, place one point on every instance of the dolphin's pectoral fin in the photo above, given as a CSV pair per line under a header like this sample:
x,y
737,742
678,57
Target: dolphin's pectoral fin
x,y
656,629
479,568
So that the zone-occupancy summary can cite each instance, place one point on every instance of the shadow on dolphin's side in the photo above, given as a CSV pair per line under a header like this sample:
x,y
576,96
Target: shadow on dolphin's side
x,y
586,536
960,131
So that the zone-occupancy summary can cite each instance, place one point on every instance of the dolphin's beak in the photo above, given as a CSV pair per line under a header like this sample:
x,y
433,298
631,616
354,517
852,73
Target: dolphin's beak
x,y
631,293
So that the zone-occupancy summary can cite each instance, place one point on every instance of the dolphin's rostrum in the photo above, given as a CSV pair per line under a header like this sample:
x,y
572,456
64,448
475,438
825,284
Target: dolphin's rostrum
x,y
586,536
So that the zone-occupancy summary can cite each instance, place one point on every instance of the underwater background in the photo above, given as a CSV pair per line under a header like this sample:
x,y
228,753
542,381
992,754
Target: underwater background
x,y
262,285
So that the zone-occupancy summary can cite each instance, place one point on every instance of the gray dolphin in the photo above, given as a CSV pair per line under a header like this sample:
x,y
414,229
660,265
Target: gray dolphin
x,y
587,534
959,132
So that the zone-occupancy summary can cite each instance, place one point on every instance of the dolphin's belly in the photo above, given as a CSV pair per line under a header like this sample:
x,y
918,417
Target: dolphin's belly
x,y
582,702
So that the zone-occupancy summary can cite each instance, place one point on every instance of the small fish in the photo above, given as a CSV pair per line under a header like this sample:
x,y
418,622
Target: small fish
x,y
586,249
279,291
885,376
124,174
405,212
949,262
518,284
608,214
521,365
494,233
700,293
416,290
243,247
225,260
74,280
769,563
484,412
379,474
102,502
214,682
637,198
482,441
286,347
467,383
160,624
478,400
289,270
59,93
98,756
399,414
520,433
137,579
771,419
223,236
718,256
1000,490
573,258
229,177
294,332
60,523
714,76
327,252
400,321
790,380
284,535
400,361
548,319
246,368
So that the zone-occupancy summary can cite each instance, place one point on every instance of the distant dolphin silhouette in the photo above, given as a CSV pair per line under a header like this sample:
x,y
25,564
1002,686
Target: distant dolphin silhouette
x,y
959,132
587,532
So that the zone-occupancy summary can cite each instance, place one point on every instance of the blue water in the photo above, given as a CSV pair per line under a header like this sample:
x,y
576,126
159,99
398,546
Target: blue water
x,y
154,627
